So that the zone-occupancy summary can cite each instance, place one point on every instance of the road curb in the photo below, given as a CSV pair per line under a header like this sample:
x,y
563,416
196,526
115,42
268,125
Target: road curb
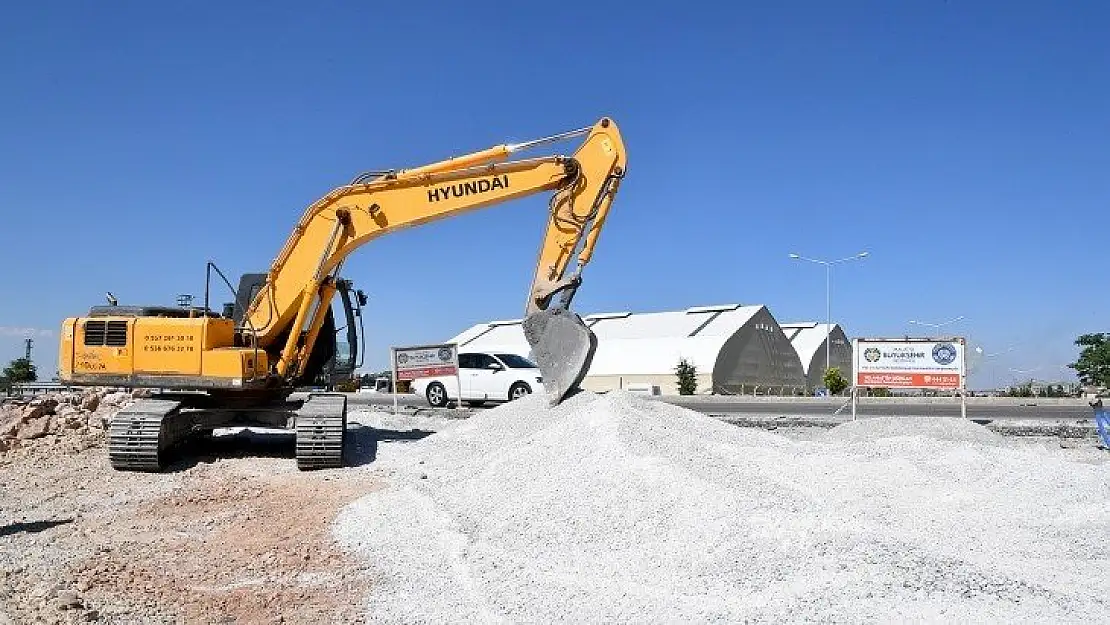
x,y
1056,429
1078,429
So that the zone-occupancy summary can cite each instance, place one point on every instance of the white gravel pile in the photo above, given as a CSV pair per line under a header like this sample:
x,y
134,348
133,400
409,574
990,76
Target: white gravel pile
x,y
614,508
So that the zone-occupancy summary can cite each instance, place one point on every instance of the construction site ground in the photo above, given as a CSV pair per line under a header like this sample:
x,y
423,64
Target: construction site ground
x,y
231,533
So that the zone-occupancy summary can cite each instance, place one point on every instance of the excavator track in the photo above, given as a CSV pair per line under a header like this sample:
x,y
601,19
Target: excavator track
x,y
140,434
321,432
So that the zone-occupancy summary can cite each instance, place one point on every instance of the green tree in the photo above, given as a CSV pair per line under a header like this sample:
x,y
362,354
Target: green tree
x,y
881,392
835,380
687,377
21,370
1093,364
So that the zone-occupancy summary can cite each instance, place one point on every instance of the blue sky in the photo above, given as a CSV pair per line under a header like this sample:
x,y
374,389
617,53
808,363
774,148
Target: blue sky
x,y
964,145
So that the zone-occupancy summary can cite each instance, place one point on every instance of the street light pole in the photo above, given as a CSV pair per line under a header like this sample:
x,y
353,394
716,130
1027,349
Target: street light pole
x,y
987,356
828,295
828,312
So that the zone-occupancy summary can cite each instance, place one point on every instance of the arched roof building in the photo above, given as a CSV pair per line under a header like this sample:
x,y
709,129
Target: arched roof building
x,y
808,339
734,349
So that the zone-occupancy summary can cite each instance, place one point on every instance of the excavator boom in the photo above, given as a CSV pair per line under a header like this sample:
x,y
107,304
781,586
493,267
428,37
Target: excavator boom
x,y
583,185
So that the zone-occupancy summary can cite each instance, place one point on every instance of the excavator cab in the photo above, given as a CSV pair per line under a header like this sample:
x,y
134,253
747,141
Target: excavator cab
x,y
332,361
347,354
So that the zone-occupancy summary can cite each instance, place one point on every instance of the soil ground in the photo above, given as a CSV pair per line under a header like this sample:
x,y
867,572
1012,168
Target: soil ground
x,y
231,533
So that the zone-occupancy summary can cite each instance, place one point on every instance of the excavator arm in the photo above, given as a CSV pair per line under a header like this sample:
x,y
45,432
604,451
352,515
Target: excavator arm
x,y
285,316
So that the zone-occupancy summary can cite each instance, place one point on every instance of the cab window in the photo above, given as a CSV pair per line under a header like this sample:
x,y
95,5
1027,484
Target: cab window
x,y
483,361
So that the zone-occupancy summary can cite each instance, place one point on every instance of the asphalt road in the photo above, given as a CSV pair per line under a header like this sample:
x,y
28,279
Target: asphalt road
x,y
725,406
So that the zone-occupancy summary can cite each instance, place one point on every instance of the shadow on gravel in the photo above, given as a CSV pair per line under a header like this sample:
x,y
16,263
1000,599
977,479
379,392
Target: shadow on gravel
x,y
30,527
361,447
362,442
241,444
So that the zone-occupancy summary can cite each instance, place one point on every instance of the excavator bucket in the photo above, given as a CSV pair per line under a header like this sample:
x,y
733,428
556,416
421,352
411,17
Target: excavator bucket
x,y
562,347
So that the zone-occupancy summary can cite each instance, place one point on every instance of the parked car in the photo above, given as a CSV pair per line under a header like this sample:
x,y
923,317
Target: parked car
x,y
485,377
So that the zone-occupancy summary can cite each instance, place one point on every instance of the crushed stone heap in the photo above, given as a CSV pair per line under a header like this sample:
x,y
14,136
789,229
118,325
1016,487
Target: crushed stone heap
x,y
74,418
619,508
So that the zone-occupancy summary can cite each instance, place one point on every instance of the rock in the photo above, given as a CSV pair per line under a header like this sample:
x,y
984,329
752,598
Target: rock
x,y
36,428
48,404
71,417
35,411
67,599
10,422
90,401
118,399
3,445
97,421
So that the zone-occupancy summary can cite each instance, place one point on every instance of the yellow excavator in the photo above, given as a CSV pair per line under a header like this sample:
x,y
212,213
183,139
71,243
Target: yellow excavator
x,y
241,366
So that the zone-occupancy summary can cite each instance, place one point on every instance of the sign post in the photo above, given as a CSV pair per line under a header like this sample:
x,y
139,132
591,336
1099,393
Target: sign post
x,y
393,375
424,361
910,363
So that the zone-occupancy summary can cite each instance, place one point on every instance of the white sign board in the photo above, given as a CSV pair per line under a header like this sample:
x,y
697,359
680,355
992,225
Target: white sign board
x,y
909,363
425,361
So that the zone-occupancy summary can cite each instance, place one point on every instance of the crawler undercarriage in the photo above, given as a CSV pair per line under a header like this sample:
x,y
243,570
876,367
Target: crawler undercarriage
x,y
144,435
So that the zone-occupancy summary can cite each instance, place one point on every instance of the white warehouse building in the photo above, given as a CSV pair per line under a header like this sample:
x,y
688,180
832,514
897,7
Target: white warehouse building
x,y
808,339
735,349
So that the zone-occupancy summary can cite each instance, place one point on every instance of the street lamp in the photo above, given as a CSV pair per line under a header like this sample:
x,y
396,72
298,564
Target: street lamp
x,y
1023,371
828,301
979,350
936,325
983,354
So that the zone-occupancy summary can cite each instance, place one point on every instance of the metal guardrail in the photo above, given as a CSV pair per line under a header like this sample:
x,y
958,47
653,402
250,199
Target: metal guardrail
x,y
23,389
31,389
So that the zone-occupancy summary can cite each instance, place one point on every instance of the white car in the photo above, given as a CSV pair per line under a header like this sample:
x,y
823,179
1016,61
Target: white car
x,y
485,377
